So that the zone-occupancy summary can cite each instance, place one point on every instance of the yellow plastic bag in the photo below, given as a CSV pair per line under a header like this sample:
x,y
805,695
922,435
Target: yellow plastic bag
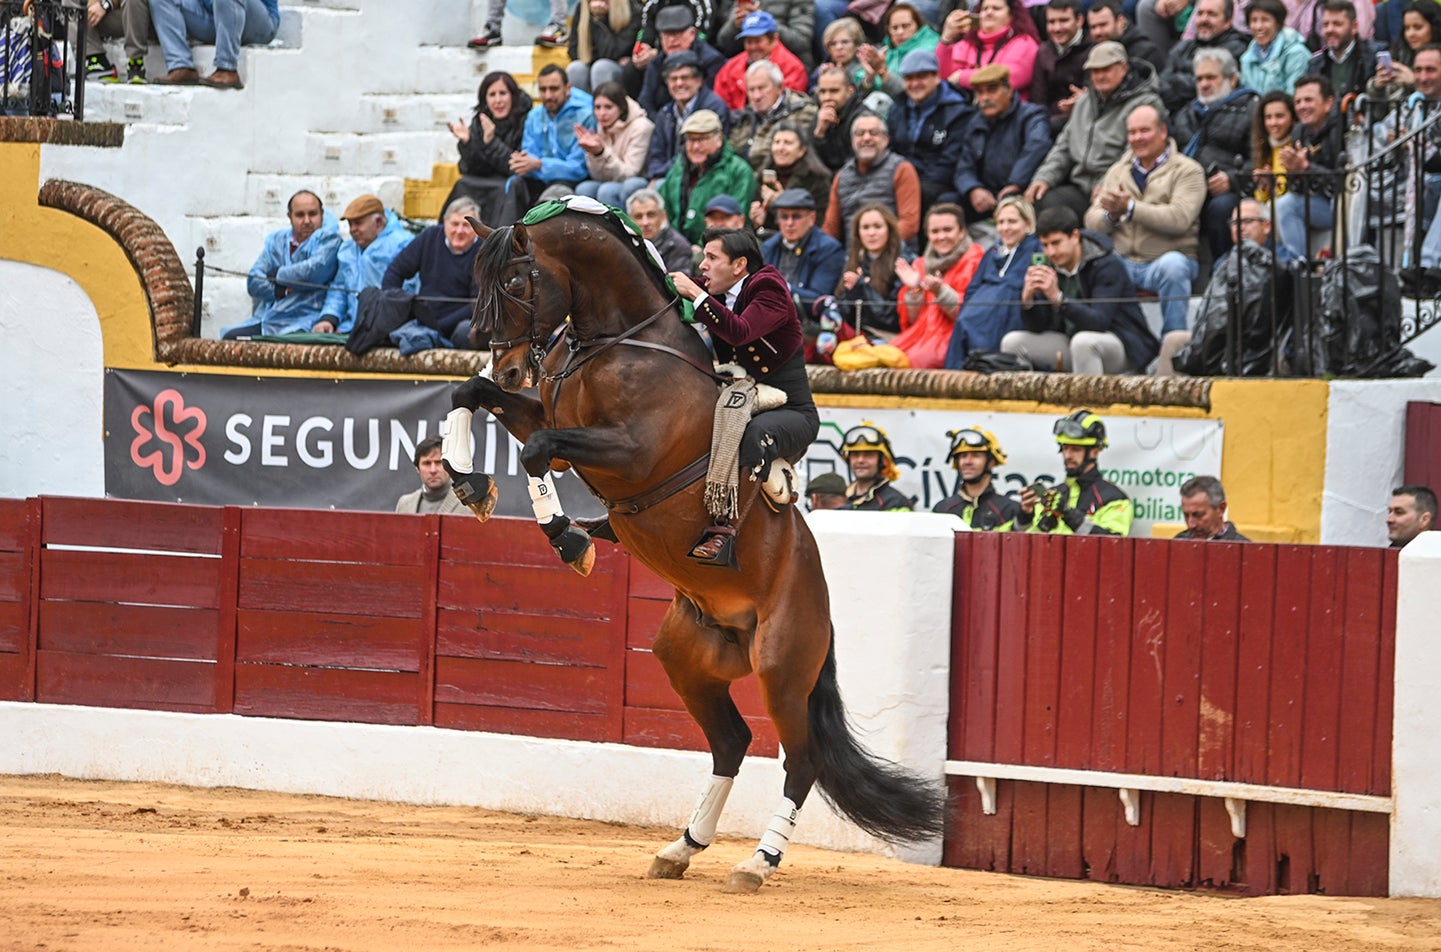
x,y
860,354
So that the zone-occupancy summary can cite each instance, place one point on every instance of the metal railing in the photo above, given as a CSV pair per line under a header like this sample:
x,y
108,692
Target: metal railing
x,y
42,72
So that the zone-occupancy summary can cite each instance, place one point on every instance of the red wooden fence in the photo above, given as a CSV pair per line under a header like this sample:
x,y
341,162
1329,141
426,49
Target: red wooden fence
x,y
1259,664
374,618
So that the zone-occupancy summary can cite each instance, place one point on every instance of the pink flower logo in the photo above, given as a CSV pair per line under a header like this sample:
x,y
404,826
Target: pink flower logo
x,y
175,427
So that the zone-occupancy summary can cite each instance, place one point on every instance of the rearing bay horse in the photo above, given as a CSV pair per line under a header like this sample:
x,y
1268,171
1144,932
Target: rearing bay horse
x,y
626,397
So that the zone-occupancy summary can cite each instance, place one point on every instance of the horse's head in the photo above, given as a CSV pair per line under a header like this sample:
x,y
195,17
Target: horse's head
x,y
508,312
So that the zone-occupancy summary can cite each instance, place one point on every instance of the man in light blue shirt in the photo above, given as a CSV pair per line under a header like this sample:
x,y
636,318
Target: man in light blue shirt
x,y
290,279
376,237
550,161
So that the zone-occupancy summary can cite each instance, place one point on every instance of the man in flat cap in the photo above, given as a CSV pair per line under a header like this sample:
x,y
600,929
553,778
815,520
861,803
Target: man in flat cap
x,y
647,67
706,168
1005,142
376,237
1094,138
927,126
810,260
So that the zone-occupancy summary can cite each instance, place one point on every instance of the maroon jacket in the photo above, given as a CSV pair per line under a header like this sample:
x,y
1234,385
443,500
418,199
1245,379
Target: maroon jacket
x,y
763,332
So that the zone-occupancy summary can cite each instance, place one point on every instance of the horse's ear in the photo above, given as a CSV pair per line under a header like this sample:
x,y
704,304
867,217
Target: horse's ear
x,y
519,239
479,227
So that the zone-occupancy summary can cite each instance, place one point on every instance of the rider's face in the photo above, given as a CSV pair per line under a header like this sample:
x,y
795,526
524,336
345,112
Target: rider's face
x,y
721,271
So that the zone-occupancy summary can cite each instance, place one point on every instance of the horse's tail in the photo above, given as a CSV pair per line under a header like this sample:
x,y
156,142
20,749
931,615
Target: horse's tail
x,y
875,794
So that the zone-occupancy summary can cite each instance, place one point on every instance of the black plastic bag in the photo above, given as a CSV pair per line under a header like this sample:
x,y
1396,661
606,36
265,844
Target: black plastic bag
x,y
1248,286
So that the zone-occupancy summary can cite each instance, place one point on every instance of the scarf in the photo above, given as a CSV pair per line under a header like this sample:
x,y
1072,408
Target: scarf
x,y
939,265
722,478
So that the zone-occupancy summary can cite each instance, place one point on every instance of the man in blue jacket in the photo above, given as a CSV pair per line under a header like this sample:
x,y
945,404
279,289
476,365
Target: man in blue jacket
x,y
376,237
1079,308
928,125
810,260
550,161
288,282
1005,142
689,93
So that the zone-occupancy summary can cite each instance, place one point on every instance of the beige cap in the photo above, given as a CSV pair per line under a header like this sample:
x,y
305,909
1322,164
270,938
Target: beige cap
x,y
1106,54
362,206
991,75
701,122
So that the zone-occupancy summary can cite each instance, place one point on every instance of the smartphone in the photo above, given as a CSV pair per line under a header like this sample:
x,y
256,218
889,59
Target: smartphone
x,y
769,177
1039,261
1383,60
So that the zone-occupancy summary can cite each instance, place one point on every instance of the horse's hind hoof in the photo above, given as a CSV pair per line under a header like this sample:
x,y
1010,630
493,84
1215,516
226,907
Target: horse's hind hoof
x,y
742,882
585,563
662,868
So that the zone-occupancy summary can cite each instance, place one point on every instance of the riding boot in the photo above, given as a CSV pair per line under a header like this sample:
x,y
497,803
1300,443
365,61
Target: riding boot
x,y
716,546
598,528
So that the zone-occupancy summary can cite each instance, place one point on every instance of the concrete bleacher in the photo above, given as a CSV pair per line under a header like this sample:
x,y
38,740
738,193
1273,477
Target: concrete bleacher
x,y
352,96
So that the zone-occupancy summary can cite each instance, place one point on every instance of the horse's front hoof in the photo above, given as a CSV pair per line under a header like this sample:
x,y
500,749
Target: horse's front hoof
x,y
747,877
662,868
585,563
477,490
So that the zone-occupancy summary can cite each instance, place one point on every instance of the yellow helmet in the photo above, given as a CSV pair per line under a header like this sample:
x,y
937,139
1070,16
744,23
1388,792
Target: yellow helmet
x,y
1080,428
867,437
975,440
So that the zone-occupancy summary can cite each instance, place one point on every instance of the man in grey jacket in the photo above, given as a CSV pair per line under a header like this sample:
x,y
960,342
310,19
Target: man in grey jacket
x,y
1095,136
434,494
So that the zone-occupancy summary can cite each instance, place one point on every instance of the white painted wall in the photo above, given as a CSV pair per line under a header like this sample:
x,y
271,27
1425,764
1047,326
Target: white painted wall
x,y
1365,453
893,663
1415,766
52,369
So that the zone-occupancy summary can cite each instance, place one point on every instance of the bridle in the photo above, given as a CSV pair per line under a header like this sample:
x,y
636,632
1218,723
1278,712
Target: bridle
x,y
540,345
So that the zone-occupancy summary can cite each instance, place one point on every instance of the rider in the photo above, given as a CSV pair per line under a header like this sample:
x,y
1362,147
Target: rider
x,y
868,453
1085,504
746,306
975,453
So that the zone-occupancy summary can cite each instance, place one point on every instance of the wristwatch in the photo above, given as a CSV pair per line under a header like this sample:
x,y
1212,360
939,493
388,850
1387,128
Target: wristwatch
x,y
107,5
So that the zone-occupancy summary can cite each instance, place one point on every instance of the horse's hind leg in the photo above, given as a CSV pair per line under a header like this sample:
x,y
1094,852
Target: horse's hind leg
x,y
701,661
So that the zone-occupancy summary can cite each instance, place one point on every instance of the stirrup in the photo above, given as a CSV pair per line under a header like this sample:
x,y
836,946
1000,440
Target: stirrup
x,y
716,546
779,489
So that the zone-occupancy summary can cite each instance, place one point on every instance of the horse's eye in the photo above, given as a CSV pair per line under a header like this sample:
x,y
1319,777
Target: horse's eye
x,y
515,284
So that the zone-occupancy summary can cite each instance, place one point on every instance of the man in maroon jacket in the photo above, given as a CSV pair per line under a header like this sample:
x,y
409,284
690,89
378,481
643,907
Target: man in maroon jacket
x,y
746,306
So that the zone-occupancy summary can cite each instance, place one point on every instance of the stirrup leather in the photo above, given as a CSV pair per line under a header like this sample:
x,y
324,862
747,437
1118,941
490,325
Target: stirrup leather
x,y
779,489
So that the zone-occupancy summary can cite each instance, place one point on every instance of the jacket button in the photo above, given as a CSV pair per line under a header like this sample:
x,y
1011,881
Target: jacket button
x,y
751,349
765,370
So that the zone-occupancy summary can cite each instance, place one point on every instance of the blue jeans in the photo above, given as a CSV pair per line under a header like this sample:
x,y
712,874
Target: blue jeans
x,y
1294,212
229,25
613,194
1169,277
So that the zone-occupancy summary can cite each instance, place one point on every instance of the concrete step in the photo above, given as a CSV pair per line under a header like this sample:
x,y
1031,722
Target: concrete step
x,y
349,6
266,194
225,301
385,112
455,69
384,153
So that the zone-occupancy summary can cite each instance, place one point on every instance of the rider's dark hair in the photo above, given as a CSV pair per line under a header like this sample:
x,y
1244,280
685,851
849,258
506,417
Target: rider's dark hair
x,y
426,446
737,243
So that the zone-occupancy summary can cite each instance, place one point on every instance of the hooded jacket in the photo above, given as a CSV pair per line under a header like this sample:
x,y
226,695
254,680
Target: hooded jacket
x,y
1285,62
361,268
492,159
625,147
1096,135
931,133
279,306
1009,48
552,138
1103,276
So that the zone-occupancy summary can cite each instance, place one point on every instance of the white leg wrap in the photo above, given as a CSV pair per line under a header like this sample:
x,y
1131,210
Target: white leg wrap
x,y
778,834
543,499
706,817
456,447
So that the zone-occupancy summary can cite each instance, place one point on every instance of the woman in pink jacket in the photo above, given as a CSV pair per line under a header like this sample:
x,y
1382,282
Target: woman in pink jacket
x,y
614,153
999,32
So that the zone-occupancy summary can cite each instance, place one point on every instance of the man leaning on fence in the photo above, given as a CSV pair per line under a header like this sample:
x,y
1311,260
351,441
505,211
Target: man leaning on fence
x,y
289,281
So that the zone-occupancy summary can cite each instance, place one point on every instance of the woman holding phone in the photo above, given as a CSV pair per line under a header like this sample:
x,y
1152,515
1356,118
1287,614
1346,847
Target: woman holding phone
x,y
792,164
1420,26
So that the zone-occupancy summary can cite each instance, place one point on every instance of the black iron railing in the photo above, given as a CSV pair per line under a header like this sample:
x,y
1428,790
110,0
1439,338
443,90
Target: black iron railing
x,y
42,61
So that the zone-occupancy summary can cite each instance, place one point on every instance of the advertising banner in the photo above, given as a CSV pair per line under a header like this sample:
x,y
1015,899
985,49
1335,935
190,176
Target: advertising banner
x,y
349,444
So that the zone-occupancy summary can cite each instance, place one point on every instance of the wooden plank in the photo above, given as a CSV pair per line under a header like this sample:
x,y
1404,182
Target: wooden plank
x,y
1111,692
975,642
1369,866
1322,685
14,525
329,640
1259,859
1075,712
1360,663
332,587
959,843
1063,831
644,583
565,725
14,576
1133,843
529,589
1181,667
1295,850
227,625
1043,649
35,523
1253,663
106,681
550,687
322,535
1148,645
647,685
147,631
512,541
130,577
1423,443
13,668
429,619
1385,678
1029,849
1216,850
14,626
643,618
1173,840
1100,814
1220,637
123,524
1288,665
1332,832
325,694
523,637
1011,649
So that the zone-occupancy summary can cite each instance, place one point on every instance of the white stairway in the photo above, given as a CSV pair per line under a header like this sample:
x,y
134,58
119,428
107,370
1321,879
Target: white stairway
x,y
352,96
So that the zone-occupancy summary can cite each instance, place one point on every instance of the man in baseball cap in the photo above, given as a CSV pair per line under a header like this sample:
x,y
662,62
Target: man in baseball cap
x,y
724,212
760,36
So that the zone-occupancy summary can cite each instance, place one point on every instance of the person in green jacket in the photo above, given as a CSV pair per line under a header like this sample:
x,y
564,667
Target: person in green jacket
x,y
707,167
1085,504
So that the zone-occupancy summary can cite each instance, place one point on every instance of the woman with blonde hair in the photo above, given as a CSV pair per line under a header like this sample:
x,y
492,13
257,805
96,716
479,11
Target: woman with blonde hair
x,y
992,304
601,43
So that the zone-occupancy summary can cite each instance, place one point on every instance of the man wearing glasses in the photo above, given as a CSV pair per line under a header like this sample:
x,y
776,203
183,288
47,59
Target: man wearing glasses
x,y
874,174
975,453
1085,504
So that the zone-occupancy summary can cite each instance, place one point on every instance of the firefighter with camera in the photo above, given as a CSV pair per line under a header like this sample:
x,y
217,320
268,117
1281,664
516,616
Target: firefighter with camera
x,y
975,453
1085,504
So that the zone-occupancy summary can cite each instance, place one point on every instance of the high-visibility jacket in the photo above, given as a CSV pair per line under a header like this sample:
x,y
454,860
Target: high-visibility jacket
x,y
1087,505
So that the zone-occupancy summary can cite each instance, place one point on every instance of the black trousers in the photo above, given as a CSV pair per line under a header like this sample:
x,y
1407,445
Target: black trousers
x,y
793,426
